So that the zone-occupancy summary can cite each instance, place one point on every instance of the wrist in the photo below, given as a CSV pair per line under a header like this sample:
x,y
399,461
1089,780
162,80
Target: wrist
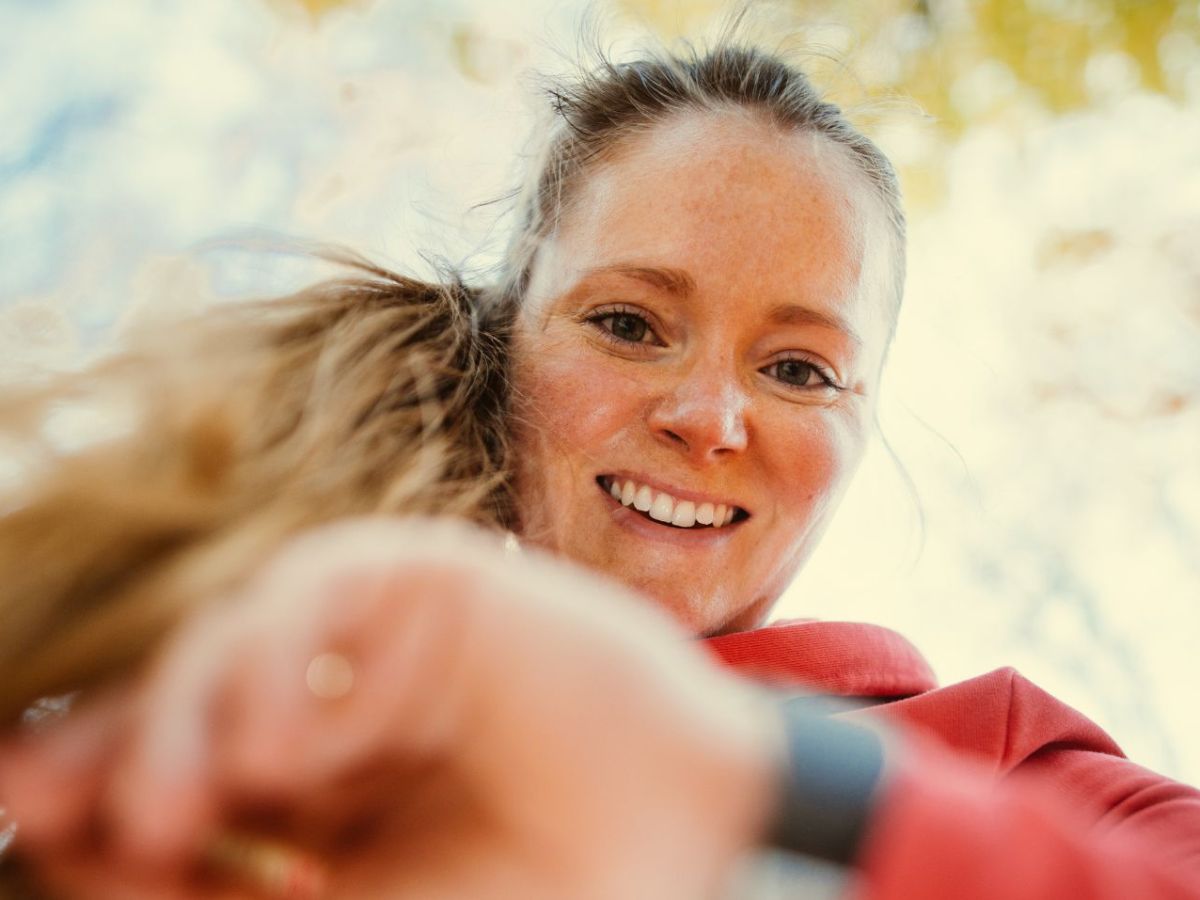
x,y
830,774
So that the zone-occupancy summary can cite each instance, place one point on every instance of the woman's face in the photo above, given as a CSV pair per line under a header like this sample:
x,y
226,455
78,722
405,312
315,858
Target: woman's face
x,y
702,335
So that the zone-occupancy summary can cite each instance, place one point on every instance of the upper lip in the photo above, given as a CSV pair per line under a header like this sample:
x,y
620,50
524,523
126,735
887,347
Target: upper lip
x,y
677,492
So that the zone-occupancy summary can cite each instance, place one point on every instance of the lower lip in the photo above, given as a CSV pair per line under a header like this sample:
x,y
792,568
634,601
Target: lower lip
x,y
628,517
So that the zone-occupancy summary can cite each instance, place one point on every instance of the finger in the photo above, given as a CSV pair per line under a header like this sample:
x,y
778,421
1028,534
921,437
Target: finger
x,y
161,798
266,712
50,780
389,628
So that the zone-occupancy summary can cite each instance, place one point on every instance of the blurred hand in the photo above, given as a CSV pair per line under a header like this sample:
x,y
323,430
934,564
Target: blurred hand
x,y
475,725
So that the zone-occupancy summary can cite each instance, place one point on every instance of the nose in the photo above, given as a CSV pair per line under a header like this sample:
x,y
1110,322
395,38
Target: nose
x,y
701,412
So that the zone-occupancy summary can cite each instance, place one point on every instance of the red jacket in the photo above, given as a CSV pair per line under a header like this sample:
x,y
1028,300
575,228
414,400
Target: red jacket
x,y
1072,817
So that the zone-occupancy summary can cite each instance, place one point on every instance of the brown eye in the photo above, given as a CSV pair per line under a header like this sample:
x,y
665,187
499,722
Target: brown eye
x,y
627,327
797,372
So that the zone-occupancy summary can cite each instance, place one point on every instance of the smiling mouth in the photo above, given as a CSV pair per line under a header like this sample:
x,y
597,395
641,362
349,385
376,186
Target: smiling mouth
x,y
666,510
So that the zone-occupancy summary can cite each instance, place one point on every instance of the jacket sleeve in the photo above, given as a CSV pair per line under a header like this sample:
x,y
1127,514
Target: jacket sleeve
x,y
1068,816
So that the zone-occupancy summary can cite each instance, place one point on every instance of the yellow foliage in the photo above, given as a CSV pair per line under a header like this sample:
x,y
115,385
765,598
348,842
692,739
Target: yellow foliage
x,y
1045,45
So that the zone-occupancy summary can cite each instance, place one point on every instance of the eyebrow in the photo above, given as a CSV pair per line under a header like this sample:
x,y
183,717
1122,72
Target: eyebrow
x,y
792,314
679,283
673,281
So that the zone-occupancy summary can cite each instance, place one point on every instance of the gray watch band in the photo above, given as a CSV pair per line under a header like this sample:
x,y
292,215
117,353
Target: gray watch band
x,y
833,770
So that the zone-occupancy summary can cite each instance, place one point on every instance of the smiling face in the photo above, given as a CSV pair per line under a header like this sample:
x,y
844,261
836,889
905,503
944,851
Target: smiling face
x,y
700,342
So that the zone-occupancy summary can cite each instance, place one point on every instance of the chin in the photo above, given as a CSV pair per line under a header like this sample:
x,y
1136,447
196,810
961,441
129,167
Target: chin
x,y
695,613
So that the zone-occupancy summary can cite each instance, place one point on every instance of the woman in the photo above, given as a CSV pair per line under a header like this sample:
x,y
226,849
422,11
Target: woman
x,y
671,386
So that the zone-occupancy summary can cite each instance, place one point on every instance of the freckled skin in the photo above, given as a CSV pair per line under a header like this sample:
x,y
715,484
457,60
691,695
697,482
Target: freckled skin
x,y
756,217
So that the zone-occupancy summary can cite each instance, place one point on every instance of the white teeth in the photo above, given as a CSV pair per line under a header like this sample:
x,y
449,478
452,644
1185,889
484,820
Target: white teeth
x,y
663,506
685,514
628,492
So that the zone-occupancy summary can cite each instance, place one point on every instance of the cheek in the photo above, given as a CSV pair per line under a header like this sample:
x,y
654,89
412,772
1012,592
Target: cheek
x,y
814,462
808,470
573,410
564,395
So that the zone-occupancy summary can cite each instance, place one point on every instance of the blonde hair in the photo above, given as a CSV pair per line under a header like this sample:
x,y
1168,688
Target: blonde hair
x,y
367,394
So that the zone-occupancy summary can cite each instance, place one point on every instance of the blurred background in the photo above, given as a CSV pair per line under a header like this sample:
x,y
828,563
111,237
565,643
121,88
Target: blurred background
x,y
1043,399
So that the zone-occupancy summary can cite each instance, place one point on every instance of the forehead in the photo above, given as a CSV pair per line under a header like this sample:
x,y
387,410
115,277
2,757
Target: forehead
x,y
744,207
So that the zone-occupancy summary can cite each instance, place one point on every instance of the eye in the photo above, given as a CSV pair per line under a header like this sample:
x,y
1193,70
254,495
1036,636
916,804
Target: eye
x,y
800,373
624,327
628,327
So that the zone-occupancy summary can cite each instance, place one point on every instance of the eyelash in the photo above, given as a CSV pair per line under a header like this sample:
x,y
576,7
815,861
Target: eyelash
x,y
825,379
597,319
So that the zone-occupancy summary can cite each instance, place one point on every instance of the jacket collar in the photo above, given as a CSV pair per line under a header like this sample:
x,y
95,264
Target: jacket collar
x,y
846,659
